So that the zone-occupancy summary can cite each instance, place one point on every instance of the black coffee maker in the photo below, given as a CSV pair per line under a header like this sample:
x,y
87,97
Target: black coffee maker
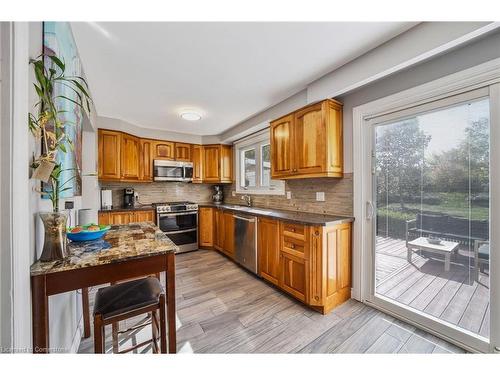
x,y
128,198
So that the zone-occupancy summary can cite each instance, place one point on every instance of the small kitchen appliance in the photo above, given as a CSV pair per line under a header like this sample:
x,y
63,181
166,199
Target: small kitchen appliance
x,y
128,198
106,199
218,196
179,221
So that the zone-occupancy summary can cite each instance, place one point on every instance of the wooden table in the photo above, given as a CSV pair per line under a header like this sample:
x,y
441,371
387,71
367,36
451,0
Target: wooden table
x,y
129,251
445,248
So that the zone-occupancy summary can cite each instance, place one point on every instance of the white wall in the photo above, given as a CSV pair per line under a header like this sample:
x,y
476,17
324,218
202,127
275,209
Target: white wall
x,y
64,309
117,124
474,53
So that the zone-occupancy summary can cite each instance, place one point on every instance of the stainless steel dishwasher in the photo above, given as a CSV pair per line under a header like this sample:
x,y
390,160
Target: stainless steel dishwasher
x,y
245,235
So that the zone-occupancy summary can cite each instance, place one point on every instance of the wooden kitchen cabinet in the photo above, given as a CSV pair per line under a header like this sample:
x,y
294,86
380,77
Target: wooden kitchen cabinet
x,y
213,164
218,229
146,160
228,228
311,263
197,157
130,151
308,142
164,150
182,151
124,157
268,249
206,227
140,216
294,276
121,217
331,258
109,155
282,152
125,217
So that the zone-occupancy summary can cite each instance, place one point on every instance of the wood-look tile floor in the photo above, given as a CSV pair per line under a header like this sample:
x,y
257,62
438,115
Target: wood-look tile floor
x,y
221,308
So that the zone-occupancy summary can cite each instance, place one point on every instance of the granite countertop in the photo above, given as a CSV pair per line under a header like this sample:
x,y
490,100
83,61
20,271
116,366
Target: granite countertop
x,y
145,207
121,243
291,216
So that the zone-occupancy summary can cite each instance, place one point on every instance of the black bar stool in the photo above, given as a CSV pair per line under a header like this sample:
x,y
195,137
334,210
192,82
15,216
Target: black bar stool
x,y
126,300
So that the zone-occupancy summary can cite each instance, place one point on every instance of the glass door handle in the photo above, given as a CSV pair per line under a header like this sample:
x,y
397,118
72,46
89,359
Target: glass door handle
x,y
370,210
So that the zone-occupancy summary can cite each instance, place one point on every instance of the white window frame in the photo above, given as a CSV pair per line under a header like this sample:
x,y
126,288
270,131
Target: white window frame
x,y
257,141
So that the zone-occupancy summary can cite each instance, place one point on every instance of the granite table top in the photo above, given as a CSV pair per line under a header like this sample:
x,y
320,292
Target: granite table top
x,y
305,218
121,243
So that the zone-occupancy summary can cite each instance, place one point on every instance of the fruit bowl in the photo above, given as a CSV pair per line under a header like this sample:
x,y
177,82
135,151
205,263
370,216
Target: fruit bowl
x,y
87,232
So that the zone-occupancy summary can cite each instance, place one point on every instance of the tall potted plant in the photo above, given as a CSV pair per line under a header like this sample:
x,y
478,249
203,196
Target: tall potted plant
x,y
49,126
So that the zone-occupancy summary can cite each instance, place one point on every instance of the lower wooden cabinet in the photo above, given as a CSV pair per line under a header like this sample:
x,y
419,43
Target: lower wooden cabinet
x,y
125,217
268,238
205,227
311,263
228,230
294,276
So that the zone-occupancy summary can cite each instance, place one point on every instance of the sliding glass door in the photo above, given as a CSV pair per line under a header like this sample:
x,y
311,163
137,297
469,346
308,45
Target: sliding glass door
x,y
430,216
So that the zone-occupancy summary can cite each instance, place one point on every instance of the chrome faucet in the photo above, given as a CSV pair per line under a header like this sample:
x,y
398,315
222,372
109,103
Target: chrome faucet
x,y
248,199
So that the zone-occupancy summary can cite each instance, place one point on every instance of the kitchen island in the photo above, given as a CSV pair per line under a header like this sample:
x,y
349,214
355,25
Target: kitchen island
x,y
125,252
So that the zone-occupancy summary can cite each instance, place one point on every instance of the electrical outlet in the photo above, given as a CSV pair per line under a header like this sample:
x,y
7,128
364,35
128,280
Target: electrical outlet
x,y
288,195
233,193
320,196
69,205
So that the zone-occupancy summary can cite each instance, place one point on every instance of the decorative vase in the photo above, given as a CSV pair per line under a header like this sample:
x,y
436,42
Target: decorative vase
x,y
54,245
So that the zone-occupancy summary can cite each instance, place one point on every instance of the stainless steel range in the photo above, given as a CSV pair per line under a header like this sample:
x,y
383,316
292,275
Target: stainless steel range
x,y
179,221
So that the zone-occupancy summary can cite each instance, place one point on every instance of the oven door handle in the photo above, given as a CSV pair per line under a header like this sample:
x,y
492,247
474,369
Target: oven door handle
x,y
178,214
180,231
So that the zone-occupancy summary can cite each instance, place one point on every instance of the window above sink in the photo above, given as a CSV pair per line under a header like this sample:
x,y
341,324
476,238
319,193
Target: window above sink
x,y
253,166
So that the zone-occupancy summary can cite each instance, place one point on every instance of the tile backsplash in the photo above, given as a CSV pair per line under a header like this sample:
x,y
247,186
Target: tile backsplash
x,y
161,192
338,194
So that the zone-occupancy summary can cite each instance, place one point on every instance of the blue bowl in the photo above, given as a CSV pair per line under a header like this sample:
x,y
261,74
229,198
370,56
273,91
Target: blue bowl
x,y
86,235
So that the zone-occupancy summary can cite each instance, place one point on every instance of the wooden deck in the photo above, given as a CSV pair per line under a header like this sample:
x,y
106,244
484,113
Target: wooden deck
x,y
452,296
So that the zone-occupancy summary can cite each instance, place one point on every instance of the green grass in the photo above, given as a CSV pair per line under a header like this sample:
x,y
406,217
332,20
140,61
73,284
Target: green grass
x,y
453,204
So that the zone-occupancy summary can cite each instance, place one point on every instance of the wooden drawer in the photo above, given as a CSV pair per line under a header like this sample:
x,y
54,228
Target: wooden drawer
x,y
296,231
295,247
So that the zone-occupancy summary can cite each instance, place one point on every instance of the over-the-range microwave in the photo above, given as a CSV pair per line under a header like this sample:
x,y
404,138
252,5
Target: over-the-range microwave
x,y
167,170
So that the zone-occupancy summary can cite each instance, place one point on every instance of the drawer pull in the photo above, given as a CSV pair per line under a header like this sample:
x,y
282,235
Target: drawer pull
x,y
292,246
292,229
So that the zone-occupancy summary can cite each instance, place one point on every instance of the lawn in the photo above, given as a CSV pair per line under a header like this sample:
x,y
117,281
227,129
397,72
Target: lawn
x,y
453,204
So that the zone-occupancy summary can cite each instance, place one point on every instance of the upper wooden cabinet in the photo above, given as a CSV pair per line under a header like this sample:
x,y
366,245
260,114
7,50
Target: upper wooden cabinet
x,y
130,150
308,142
164,150
281,147
197,156
124,157
109,154
182,151
212,164
146,160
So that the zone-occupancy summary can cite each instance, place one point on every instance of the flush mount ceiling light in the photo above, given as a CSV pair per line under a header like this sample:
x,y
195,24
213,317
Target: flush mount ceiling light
x,y
190,116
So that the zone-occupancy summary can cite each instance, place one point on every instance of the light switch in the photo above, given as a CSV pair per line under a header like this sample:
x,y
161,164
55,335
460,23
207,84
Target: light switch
x,y
233,193
288,195
320,196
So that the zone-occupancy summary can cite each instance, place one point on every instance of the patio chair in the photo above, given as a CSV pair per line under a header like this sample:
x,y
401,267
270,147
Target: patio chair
x,y
481,256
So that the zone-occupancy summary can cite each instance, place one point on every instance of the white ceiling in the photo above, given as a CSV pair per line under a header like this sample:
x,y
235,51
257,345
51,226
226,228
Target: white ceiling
x,y
147,73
